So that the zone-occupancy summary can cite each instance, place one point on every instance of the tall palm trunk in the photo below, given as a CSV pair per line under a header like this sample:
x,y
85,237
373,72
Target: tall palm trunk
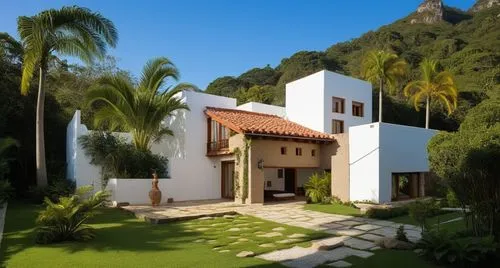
x,y
41,168
427,112
380,101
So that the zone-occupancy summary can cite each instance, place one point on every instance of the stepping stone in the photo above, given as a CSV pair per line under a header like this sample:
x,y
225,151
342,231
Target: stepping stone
x,y
348,232
235,243
211,241
243,239
202,229
340,264
224,251
242,224
279,229
367,227
233,237
287,254
258,222
216,248
287,241
297,236
384,223
371,237
375,248
385,231
233,230
331,225
358,243
350,223
272,234
199,240
259,232
329,243
205,218
245,254
229,216
267,245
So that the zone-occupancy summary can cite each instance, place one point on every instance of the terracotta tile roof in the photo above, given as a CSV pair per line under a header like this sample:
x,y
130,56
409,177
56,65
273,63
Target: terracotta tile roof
x,y
259,123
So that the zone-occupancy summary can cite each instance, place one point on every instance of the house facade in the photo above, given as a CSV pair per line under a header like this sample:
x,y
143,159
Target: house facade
x,y
254,152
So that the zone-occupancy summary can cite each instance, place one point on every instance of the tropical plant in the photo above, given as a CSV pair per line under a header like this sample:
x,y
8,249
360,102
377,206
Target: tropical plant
x,y
6,191
401,234
72,31
384,68
5,144
420,211
318,187
65,220
434,85
451,249
140,109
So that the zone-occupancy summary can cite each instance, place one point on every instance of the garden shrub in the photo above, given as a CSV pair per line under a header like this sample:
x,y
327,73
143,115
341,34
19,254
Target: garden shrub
x,y
452,249
6,191
420,211
386,213
65,220
401,234
318,187
57,187
451,199
119,159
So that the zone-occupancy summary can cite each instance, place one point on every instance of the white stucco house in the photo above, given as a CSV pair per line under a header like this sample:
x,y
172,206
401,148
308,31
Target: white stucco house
x,y
326,125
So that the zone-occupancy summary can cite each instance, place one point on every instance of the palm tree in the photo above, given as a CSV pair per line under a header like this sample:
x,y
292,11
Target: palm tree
x,y
384,68
10,48
72,31
433,85
142,108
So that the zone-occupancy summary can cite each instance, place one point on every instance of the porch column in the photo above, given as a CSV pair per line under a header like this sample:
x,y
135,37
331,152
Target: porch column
x,y
421,184
413,180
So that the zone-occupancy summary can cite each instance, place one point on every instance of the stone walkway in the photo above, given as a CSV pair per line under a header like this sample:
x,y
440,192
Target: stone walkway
x,y
356,235
3,212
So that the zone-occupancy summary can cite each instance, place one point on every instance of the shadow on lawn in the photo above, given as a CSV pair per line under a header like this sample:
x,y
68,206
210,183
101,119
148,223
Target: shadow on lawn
x,y
115,230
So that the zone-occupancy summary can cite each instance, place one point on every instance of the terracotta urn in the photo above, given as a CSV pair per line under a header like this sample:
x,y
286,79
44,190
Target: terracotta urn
x,y
155,193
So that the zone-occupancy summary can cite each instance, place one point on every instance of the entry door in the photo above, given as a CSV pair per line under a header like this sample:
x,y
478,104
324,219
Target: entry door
x,y
227,183
290,180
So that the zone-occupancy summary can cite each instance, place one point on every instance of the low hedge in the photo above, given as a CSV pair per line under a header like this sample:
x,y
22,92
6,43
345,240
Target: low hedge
x,y
386,213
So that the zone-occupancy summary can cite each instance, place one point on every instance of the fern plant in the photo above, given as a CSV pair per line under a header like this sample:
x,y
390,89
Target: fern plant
x,y
318,187
65,220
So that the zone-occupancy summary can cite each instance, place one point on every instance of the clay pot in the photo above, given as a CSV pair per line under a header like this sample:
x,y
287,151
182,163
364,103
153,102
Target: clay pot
x,y
155,193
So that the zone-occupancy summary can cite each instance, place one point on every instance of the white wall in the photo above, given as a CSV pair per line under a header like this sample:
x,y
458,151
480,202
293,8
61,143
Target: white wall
x,y
136,191
309,100
350,89
271,174
402,149
193,176
263,108
378,150
304,101
364,162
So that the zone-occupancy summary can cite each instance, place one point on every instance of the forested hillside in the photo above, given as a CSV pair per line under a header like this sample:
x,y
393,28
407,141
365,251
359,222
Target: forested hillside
x,y
465,43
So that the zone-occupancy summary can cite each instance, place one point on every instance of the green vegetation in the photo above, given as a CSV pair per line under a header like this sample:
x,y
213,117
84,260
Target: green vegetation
x,y
391,258
334,209
71,31
433,85
386,213
139,109
318,187
124,241
384,69
454,226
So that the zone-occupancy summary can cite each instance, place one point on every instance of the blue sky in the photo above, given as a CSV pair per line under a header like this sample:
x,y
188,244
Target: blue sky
x,y
209,39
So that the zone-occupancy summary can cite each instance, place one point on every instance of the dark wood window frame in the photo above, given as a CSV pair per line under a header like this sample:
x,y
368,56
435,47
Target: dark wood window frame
x,y
334,130
335,108
298,151
358,105
283,150
217,137
313,152
281,173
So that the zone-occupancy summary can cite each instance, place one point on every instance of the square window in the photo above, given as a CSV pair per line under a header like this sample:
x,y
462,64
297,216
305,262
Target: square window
x,y
269,184
338,105
357,109
283,150
337,126
281,173
313,152
298,151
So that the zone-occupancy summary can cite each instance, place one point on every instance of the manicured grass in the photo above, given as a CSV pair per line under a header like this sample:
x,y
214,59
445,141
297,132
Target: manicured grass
x,y
334,209
391,258
454,226
124,241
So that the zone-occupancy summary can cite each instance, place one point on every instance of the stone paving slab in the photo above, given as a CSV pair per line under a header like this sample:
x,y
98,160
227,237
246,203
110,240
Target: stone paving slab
x,y
3,212
321,257
359,243
367,227
348,232
371,237
340,264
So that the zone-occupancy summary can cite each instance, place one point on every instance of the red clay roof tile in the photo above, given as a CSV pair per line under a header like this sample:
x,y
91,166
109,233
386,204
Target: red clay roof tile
x,y
258,123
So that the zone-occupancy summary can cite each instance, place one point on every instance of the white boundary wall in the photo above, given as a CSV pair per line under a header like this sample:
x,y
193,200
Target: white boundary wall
x,y
263,108
378,150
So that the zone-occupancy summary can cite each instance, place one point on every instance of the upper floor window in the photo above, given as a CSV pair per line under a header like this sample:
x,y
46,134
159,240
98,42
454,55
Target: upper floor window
x,y
298,151
217,137
313,152
283,150
338,105
357,109
337,126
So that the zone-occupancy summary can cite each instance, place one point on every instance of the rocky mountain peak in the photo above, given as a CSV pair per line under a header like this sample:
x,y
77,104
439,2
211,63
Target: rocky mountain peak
x,y
430,12
484,4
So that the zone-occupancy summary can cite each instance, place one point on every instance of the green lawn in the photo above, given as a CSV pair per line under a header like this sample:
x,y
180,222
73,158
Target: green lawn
x,y
334,209
454,226
124,241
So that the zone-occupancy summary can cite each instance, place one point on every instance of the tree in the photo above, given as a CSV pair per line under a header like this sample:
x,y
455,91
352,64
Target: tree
x,y
262,94
72,31
433,85
10,48
140,108
384,68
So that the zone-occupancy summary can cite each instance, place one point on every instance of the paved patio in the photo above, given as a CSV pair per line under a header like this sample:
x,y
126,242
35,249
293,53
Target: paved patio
x,y
358,235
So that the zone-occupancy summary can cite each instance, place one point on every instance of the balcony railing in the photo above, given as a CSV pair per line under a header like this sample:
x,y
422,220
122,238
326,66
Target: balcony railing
x,y
218,147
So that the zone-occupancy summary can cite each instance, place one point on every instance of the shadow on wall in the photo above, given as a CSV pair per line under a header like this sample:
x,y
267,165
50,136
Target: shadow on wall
x,y
174,146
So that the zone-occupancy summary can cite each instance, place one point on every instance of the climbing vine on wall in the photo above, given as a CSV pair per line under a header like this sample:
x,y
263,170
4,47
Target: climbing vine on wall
x,y
245,169
237,154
